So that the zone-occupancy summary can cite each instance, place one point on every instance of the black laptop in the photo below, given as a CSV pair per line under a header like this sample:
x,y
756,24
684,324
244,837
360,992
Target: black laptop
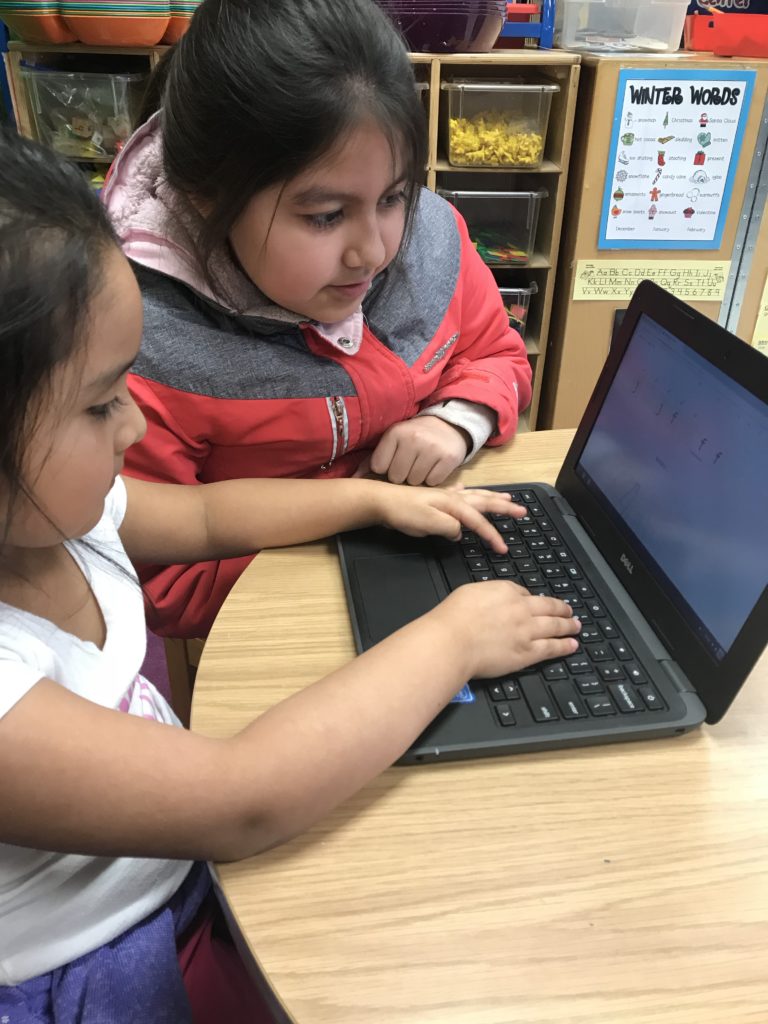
x,y
656,533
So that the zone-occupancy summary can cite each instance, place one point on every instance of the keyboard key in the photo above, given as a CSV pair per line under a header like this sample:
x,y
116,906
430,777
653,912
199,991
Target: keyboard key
x,y
532,579
528,497
577,666
511,691
538,699
587,636
573,572
542,591
556,671
589,684
477,564
544,557
609,630
621,650
552,571
482,577
529,531
564,555
596,609
574,602
504,714
468,537
625,697
651,698
569,702
584,589
634,672
494,556
472,550
536,510
553,539
611,671
561,586
504,570
517,550
600,706
496,692
599,653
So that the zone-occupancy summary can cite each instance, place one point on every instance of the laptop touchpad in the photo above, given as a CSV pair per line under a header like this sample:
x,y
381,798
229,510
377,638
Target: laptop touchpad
x,y
393,591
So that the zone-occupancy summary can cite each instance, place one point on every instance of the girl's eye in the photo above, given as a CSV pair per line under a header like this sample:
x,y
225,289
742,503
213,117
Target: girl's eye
x,y
395,199
324,220
103,412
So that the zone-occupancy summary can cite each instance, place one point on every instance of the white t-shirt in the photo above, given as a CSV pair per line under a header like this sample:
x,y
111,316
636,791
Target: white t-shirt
x,y
57,907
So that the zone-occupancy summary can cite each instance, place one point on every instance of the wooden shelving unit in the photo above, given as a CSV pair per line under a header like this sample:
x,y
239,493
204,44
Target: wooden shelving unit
x,y
555,66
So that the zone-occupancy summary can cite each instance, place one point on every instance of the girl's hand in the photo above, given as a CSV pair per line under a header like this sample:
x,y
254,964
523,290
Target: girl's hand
x,y
502,628
419,511
424,450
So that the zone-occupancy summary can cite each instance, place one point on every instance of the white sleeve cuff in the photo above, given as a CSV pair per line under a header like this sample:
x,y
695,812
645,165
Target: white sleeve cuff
x,y
479,421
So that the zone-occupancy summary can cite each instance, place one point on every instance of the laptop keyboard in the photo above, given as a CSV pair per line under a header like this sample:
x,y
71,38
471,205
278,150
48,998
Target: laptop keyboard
x,y
603,678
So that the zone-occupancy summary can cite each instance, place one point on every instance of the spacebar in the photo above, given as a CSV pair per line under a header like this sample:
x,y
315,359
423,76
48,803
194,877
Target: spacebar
x,y
538,699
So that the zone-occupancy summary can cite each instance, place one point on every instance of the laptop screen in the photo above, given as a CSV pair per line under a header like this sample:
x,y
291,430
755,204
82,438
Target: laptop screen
x,y
677,460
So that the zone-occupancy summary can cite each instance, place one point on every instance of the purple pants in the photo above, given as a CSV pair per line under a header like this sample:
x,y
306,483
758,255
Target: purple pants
x,y
136,977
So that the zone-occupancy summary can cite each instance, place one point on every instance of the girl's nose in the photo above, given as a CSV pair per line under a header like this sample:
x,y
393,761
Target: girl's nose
x,y
366,250
132,428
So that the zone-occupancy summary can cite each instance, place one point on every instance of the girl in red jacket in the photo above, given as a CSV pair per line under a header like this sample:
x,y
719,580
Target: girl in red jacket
x,y
310,310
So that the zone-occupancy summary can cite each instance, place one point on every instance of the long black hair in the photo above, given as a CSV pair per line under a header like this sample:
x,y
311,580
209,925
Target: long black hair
x,y
53,235
258,90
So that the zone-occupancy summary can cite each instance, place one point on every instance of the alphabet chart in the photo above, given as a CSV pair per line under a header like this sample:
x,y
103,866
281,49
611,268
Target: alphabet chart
x,y
674,151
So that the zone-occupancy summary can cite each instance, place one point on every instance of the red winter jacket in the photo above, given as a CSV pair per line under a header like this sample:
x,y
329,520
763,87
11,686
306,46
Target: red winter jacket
x,y
263,393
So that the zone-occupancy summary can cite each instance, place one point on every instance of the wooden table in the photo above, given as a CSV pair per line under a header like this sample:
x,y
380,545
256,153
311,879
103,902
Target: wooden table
x,y
622,885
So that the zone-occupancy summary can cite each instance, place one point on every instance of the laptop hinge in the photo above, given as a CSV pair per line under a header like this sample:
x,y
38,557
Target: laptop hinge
x,y
681,682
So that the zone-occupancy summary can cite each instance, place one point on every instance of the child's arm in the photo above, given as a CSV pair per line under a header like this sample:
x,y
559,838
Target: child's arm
x,y
175,523
76,777
484,384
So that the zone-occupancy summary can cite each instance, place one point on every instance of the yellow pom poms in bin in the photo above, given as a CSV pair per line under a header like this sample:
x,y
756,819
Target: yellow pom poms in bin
x,y
488,139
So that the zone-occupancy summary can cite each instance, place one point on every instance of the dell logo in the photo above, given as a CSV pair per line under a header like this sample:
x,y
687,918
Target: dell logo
x,y
627,564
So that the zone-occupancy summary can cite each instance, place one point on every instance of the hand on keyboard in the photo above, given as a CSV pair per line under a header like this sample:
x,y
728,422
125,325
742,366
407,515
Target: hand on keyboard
x,y
506,629
419,511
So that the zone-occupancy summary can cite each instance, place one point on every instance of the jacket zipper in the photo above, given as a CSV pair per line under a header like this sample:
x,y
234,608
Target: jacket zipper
x,y
337,411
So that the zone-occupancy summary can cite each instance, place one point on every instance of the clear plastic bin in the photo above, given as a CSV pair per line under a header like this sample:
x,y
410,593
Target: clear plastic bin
x,y
81,114
516,302
620,26
497,124
501,224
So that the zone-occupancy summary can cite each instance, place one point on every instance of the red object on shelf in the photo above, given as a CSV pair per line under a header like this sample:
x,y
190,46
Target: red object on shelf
x,y
728,35
517,12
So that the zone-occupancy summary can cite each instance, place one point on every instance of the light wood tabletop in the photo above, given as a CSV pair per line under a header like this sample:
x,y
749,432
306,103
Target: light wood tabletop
x,y
619,885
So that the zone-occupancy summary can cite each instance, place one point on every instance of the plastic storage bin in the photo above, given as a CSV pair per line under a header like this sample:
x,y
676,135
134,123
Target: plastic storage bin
x,y
516,302
497,124
618,26
502,225
82,114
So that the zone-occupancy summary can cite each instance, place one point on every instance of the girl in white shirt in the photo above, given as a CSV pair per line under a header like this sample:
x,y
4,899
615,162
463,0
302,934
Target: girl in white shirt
x,y
106,804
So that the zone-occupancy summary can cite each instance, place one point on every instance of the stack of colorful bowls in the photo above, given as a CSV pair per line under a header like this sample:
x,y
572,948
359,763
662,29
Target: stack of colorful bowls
x,y
181,12
447,26
117,22
36,21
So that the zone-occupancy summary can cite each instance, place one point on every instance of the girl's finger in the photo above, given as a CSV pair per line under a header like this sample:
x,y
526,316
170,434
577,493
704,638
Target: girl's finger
x,y
470,517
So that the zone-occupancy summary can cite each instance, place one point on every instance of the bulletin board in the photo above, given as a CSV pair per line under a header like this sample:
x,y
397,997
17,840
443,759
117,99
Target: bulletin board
x,y
675,144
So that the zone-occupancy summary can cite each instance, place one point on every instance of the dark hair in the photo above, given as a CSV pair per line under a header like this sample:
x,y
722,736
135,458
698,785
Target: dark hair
x,y
53,232
258,90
